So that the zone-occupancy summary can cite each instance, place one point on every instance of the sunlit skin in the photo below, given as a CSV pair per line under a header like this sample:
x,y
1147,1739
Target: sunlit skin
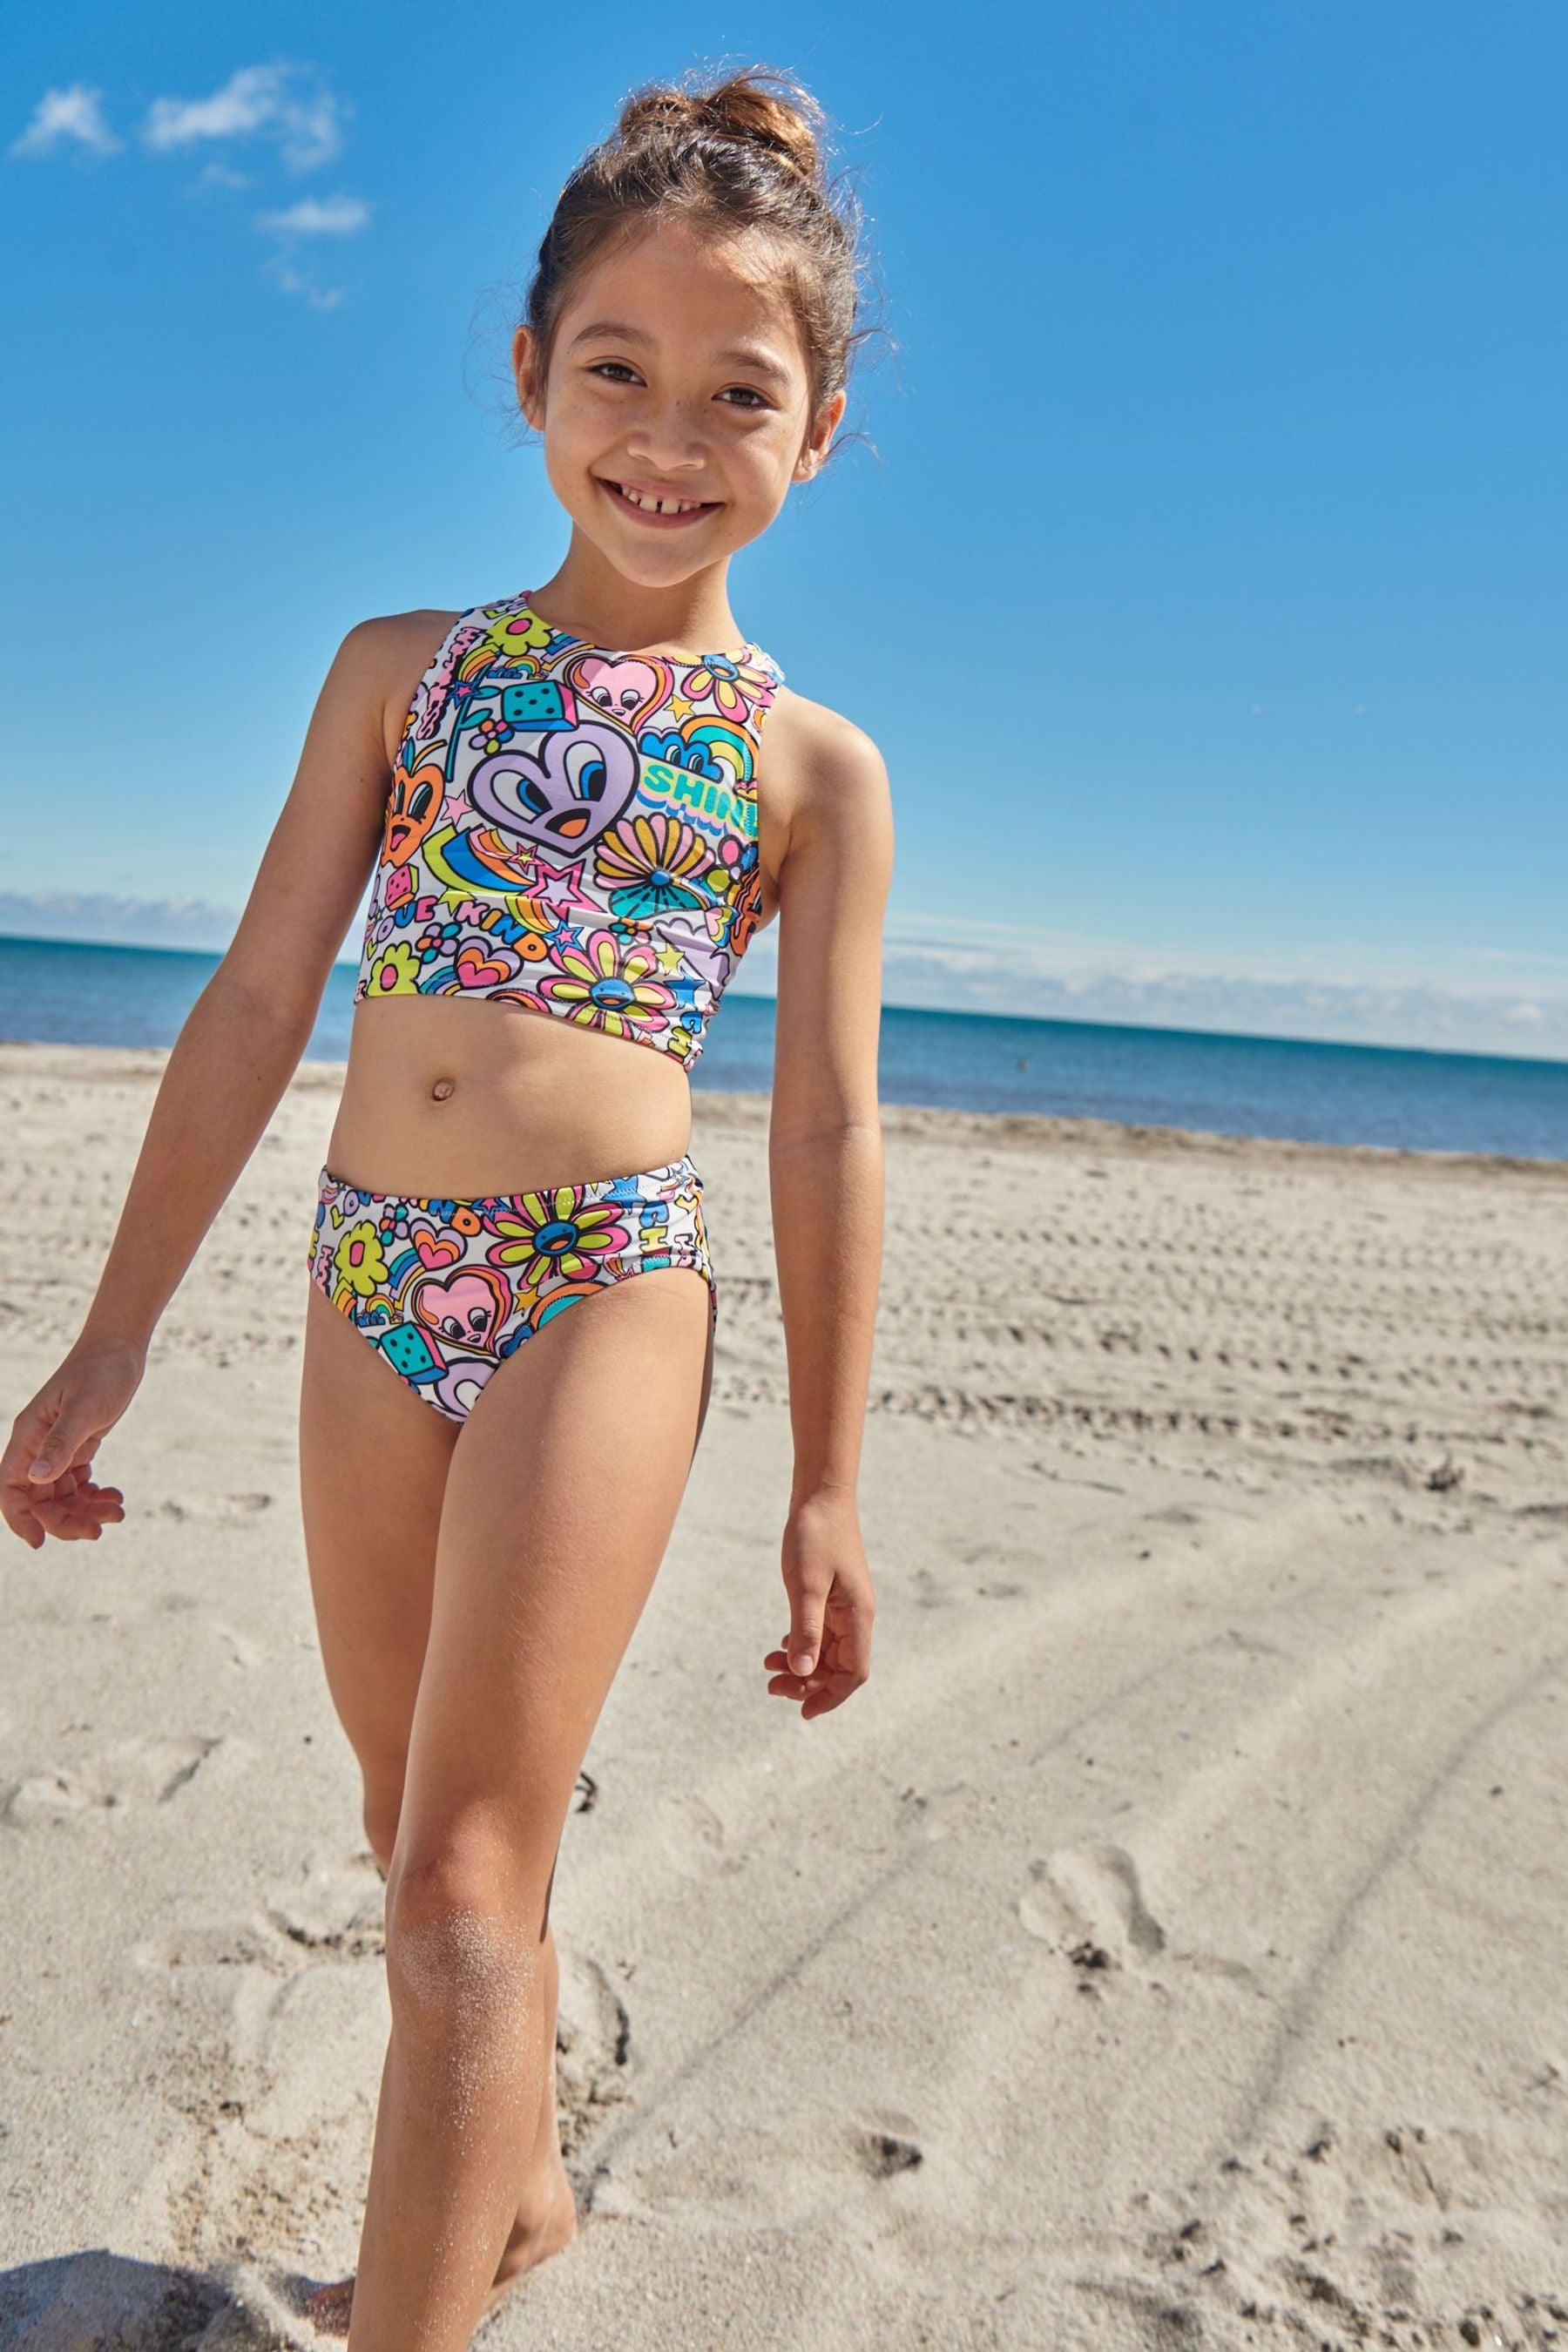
x,y
676,371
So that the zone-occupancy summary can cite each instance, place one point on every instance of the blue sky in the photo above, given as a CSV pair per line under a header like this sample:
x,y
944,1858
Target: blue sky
x,y
1204,585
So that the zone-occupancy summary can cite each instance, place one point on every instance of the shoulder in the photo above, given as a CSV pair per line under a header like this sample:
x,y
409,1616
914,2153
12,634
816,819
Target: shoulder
x,y
381,661
800,728
391,640
823,772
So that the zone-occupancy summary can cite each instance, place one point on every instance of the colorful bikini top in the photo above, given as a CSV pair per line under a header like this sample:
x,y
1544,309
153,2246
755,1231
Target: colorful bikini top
x,y
572,830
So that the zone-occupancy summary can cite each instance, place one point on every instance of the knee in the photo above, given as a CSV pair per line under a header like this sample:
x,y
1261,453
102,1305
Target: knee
x,y
462,1951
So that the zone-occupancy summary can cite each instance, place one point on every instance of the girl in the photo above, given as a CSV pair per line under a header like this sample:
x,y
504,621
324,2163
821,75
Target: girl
x,y
579,802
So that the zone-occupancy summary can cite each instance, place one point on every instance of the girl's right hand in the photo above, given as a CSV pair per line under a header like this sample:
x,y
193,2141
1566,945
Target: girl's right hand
x,y
46,1487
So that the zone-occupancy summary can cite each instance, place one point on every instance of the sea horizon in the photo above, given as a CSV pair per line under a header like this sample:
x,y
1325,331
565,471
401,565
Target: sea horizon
x,y
1415,1098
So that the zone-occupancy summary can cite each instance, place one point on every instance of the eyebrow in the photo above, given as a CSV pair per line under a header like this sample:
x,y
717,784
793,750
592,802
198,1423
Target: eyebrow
x,y
746,355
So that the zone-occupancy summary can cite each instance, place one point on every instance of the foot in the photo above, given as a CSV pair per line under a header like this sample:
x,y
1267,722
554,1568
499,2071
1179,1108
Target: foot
x,y
544,2225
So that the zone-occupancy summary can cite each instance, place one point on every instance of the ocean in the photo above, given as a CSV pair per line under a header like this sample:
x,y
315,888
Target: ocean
x,y
63,992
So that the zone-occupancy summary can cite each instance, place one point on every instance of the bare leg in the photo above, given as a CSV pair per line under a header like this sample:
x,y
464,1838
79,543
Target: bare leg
x,y
559,1497
373,1466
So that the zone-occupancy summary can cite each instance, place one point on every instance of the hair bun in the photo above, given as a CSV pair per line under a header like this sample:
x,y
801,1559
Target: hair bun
x,y
744,108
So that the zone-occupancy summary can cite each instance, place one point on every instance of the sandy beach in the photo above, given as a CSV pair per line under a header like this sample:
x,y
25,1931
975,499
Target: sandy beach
x,y
1164,1949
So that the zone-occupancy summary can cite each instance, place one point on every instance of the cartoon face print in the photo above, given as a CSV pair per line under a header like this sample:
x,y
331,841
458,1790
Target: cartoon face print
x,y
465,1310
411,810
560,789
631,690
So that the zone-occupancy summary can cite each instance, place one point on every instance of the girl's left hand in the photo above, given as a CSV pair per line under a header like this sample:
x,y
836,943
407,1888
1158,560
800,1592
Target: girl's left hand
x,y
827,1652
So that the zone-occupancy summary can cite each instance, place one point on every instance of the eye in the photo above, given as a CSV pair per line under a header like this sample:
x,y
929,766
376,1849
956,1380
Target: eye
x,y
627,374
749,396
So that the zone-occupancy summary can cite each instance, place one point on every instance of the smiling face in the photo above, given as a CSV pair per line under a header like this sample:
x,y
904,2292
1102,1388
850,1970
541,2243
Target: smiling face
x,y
676,407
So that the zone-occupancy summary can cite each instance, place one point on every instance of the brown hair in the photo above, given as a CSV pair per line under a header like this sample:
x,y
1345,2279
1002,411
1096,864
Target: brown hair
x,y
740,156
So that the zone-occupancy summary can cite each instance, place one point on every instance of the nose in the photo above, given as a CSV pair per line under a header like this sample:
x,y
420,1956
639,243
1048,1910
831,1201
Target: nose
x,y
667,437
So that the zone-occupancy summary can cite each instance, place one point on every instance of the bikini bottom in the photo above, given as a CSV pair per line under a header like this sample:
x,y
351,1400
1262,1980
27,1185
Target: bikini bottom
x,y
448,1289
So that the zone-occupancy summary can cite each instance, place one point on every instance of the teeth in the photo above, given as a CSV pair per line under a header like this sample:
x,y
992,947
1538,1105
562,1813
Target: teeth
x,y
659,505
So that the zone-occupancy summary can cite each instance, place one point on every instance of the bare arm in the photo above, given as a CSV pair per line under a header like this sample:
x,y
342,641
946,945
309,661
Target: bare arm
x,y
825,1150
234,1056
242,1039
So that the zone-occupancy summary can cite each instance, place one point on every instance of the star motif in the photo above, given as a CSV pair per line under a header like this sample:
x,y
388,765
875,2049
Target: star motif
x,y
558,885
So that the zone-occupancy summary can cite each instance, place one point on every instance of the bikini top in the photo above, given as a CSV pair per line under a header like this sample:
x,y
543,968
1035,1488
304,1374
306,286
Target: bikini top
x,y
572,830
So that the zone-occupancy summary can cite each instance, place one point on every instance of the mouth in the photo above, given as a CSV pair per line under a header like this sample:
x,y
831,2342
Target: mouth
x,y
658,509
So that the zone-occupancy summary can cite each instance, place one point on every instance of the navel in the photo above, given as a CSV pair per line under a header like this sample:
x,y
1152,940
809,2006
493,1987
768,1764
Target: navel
x,y
444,1087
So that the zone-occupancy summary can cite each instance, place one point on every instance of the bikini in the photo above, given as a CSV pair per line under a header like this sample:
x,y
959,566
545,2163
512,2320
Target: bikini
x,y
572,831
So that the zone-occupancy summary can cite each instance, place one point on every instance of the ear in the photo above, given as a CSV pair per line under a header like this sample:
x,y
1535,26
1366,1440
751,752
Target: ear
x,y
819,440
526,376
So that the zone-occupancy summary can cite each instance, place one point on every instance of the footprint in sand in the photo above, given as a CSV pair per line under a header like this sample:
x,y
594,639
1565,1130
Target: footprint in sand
x,y
131,1772
1087,1901
1090,1897
333,1913
228,1510
593,2047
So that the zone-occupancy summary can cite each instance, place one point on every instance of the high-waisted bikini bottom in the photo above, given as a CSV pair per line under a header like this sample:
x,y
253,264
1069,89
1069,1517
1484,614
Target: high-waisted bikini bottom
x,y
448,1289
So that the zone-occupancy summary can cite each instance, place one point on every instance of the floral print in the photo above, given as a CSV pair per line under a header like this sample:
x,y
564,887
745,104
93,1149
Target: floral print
x,y
572,830
448,1289
607,986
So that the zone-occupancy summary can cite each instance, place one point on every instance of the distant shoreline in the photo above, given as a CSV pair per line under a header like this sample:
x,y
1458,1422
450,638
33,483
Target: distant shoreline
x,y
1022,1131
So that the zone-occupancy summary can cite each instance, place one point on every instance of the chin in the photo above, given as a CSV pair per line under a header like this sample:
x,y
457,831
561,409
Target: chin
x,y
655,563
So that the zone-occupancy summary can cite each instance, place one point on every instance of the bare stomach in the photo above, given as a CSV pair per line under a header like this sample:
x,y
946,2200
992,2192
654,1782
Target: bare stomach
x,y
450,1099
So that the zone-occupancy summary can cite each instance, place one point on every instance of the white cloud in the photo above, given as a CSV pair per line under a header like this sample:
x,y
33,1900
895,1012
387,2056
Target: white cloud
x,y
68,116
319,217
956,964
101,919
290,104
991,978
294,281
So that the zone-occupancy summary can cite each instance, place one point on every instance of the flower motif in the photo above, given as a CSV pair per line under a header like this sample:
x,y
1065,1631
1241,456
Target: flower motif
x,y
651,865
396,971
555,1232
730,684
597,982
438,939
516,634
358,1259
491,732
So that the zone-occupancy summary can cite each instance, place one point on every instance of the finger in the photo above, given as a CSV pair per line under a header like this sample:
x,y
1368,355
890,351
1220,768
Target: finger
x,y
87,1490
804,1641
63,1509
817,1697
19,1518
803,1686
68,1526
57,1451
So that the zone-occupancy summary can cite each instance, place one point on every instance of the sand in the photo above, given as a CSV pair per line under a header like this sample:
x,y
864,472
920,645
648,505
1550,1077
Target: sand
x,y
1163,1950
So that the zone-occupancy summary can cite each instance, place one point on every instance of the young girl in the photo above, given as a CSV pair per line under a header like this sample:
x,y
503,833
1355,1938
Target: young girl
x,y
580,802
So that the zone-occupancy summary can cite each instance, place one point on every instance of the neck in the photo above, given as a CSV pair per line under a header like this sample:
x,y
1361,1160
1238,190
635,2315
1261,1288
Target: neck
x,y
589,598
